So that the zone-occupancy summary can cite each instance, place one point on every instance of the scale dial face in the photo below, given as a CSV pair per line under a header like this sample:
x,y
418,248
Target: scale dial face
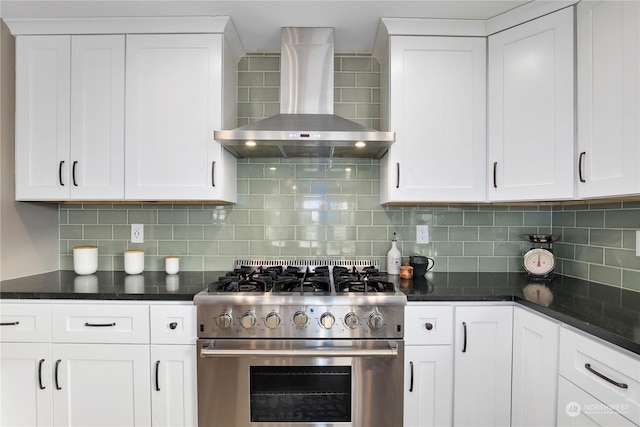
x,y
539,261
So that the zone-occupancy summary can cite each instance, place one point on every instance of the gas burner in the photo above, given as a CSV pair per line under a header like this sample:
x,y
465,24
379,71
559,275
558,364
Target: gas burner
x,y
365,285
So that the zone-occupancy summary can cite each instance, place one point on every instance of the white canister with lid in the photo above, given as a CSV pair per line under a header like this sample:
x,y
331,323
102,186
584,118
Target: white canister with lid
x,y
85,259
134,261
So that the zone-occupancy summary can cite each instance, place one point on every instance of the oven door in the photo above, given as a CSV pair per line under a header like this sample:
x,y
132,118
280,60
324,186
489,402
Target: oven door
x,y
269,383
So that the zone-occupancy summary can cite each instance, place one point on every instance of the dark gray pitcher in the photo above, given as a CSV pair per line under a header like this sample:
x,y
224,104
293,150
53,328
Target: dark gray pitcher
x,y
421,264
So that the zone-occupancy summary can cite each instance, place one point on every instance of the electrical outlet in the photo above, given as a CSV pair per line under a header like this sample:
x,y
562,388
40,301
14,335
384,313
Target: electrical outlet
x,y
137,233
637,242
422,234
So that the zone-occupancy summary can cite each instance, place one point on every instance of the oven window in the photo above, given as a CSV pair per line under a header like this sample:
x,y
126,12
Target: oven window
x,y
300,393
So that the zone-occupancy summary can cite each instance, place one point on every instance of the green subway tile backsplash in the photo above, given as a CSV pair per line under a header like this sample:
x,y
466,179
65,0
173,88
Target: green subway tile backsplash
x,y
320,208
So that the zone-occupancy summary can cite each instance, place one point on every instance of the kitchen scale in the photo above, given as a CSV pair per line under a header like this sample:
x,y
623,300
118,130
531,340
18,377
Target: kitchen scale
x,y
539,261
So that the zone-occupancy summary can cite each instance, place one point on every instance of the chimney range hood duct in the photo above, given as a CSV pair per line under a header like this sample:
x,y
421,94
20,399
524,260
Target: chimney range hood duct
x,y
306,125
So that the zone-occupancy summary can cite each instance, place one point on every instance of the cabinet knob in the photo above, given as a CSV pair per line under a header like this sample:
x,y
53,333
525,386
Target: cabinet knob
x,y
173,325
429,326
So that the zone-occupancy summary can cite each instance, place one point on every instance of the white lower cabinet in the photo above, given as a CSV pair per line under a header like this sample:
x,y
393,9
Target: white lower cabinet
x,y
571,401
599,383
101,384
535,369
428,366
25,384
97,364
482,366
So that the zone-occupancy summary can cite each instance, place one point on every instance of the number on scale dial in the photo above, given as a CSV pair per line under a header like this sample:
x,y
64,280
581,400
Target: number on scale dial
x,y
539,261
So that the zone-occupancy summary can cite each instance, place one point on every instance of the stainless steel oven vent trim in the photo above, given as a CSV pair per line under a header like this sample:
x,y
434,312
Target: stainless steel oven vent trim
x,y
311,263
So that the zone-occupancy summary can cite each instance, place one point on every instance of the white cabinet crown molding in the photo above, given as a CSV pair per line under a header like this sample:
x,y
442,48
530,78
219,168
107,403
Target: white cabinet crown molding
x,y
131,25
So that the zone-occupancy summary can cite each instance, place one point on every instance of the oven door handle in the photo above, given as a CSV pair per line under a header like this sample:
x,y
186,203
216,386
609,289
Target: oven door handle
x,y
391,350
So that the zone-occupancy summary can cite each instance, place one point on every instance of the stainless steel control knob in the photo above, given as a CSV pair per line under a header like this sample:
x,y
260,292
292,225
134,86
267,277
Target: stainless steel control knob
x,y
300,319
376,321
272,320
224,321
351,320
327,320
248,321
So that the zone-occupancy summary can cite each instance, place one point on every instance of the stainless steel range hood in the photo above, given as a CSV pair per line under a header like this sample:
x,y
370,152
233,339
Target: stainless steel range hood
x,y
306,125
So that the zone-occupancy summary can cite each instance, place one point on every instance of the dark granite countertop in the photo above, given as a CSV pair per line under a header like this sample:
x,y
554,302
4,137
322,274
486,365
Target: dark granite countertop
x,y
109,285
610,313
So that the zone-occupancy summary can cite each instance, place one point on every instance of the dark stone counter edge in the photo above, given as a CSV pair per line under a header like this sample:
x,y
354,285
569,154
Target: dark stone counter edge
x,y
612,338
622,342
108,296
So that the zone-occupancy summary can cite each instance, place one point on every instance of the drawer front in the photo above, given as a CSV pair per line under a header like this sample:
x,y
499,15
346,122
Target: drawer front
x,y
25,322
173,324
124,324
428,324
611,376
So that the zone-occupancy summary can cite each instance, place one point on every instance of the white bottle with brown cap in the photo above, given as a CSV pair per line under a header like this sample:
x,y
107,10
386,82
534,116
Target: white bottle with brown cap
x,y
394,257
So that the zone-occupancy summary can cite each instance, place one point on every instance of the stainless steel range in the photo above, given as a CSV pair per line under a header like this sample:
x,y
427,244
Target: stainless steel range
x,y
301,343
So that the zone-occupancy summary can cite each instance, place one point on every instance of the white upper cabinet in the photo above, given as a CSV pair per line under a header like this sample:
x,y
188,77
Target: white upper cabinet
x,y
531,110
437,107
70,117
608,34
175,101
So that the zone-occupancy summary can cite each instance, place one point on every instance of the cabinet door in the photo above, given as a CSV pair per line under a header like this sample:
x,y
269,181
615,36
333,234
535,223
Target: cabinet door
x,y
437,104
482,366
608,98
535,370
101,384
174,390
531,110
427,386
43,88
97,117
577,408
174,102
25,384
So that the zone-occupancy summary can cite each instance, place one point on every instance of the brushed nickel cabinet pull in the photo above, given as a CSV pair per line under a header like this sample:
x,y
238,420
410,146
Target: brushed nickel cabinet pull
x,y
411,382
495,170
40,374
73,173
157,374
9,323
56,375
580,162
593,371
60,173
213,174
99,325
464,342
398,175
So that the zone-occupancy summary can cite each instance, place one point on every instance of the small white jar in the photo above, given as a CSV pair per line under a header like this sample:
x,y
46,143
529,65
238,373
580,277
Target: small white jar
x,y
172,264
85,259
134,261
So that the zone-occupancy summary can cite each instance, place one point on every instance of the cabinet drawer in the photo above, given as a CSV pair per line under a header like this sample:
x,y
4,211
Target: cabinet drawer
x,y
25,322
173,324
115,323
594,366
428,324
